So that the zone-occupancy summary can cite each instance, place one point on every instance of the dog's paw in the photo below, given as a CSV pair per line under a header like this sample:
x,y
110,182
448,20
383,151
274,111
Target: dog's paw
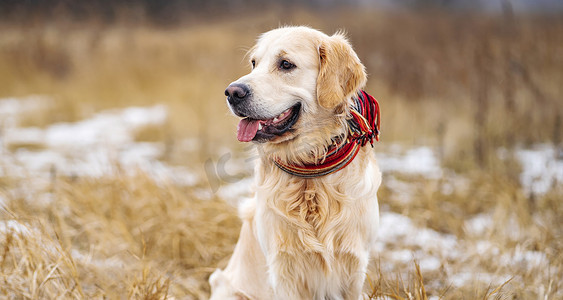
x,y
221,288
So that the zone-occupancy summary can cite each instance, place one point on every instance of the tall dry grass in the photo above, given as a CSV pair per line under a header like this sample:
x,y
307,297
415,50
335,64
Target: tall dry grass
x,y
112,237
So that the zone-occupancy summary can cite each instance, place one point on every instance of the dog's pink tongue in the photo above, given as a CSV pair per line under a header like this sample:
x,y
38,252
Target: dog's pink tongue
x,y
247,129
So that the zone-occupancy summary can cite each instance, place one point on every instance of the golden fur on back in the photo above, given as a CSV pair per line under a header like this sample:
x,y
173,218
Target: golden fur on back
x,y
304,238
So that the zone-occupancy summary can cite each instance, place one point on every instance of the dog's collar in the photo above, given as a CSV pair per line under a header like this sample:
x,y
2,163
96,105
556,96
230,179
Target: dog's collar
x,y
363,127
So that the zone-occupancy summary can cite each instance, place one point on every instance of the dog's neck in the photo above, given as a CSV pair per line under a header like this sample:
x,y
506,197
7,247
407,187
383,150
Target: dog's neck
x,y
361,128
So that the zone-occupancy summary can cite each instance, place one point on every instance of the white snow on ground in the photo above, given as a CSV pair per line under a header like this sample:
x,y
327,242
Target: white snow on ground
x,y
478,224
400,241
396,229
236,192
114,127
417,161
403,191
542,168
90,147
14,227
525,259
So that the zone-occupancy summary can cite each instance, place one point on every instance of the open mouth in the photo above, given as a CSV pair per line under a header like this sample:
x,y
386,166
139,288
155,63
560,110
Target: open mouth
x,y
263,130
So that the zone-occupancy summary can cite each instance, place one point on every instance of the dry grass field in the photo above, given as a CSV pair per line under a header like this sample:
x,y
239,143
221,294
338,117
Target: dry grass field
x,y
120,169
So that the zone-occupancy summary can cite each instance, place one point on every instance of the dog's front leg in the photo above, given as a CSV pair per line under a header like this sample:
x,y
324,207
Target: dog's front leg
x,y
245,276
354,290
287,279
356,267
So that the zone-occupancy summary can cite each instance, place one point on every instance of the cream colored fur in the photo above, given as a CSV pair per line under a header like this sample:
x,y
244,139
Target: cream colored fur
x,y
304,238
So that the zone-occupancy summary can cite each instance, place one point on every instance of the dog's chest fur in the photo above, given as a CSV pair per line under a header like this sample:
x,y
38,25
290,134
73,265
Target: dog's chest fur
x,y
309,207
323,216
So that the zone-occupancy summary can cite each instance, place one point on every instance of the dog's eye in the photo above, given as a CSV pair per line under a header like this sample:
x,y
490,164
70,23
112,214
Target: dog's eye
x,y
285,65
253,63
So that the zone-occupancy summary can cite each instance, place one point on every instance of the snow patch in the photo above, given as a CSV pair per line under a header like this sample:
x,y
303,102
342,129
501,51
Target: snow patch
x,y
235,192
525,259
542,168
430,263
417,161
14,227
478,224
431,246
92,147
402,191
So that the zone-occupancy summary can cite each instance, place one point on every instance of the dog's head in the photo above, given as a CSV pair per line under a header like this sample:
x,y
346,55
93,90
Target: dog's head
x,y
299,89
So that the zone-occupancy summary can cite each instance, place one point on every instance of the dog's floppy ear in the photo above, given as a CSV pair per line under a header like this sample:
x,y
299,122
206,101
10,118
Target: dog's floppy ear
x,y
341,73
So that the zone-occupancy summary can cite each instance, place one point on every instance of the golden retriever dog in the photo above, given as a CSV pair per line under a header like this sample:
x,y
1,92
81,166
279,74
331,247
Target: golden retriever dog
x,y
309,230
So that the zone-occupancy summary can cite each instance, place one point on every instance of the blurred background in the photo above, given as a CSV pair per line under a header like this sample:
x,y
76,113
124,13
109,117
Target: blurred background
x,y
120,170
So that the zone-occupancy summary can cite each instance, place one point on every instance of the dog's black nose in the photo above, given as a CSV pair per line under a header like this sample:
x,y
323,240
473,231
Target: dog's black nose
x,y
236,93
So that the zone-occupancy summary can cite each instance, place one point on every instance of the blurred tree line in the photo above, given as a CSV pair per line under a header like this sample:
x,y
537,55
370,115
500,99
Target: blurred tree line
x,y
168,12
171,12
